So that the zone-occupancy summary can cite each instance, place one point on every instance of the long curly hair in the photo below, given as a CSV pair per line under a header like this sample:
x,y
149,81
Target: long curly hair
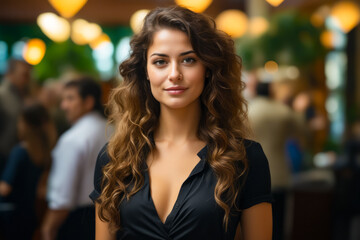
x,y
135,113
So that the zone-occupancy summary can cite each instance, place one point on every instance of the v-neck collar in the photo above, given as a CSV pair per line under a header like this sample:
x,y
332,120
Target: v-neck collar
x,y
199,167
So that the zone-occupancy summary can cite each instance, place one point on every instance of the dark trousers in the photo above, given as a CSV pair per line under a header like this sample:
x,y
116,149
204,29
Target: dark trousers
x,y
79,225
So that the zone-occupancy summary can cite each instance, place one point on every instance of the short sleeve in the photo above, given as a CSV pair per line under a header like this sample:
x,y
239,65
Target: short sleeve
x,y
13,164
257,185
102,160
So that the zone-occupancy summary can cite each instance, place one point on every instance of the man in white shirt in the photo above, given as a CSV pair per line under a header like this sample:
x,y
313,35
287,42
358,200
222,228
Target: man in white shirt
x,y
71,212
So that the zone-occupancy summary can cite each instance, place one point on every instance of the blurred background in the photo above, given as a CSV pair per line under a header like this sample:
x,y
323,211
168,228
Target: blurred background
x,y
306,53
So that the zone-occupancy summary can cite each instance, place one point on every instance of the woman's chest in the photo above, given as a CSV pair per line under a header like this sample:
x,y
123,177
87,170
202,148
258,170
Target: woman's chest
x,y
194,213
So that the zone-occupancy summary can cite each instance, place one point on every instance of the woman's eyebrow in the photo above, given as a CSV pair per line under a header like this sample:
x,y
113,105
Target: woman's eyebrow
x,y
187,52
165,55
159,54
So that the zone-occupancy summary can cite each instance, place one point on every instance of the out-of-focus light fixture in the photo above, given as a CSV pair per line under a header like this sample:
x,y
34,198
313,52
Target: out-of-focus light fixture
x,y
104,51
233,22
137,20
333,39
17,49
103,38
347,15
194,5
122,50
292,72
271,67
84,32
54,27
275,3
67,8
326,39
317,19
258,26
34,51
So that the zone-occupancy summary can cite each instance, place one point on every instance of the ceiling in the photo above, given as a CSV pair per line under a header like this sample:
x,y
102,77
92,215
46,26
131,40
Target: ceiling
x,y
118,12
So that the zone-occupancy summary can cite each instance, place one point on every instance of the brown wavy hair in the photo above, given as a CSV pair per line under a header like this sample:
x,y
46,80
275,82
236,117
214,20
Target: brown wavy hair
x,y
135,112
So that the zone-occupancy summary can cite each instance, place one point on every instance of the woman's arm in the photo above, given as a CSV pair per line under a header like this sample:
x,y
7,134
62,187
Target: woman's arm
x,y
256,222
102,230
11,170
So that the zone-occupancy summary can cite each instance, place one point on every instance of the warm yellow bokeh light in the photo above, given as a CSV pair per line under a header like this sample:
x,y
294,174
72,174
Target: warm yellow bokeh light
x,y
103,38
84,32
194,5
258,26
137,20
54,27
67,8
327,39
346,14
275,3
34,51
318,18
233,22
271,67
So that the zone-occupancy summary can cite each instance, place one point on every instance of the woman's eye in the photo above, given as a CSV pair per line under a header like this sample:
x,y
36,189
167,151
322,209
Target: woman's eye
x,y
159,62
189,60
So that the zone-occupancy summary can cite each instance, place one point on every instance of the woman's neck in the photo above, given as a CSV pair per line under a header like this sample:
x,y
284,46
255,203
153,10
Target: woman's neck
x,y
178,125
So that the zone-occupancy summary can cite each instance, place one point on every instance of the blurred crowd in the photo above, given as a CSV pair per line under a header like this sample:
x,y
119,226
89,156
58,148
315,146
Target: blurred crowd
x,y
316,191
50,136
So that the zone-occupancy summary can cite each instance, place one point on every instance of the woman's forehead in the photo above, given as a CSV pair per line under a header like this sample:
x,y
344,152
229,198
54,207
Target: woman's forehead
x,y
170,40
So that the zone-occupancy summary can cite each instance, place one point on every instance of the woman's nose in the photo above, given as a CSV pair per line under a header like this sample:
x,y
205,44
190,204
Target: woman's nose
x,y
174,74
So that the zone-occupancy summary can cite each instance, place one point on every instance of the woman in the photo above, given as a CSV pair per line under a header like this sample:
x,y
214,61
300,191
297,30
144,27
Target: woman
x,y
178,166
24,169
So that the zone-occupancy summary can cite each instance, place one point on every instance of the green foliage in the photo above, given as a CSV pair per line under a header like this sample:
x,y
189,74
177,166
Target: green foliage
x,y
117,33
61,57
11,33
291,39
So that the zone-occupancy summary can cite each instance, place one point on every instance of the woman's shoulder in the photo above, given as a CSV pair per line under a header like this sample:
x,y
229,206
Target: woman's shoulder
x,y
19,150
254,152
252,147
103,157
257,185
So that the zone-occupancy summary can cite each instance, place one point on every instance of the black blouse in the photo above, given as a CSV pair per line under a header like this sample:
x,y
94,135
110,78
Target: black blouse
x,y
195,214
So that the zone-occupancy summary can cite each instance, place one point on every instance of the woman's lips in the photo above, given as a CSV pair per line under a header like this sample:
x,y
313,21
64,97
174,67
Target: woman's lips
x,y
175,90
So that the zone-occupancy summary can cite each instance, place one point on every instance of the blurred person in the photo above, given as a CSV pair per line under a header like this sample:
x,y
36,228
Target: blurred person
x,y
179,165
283,90
28,162
303,103
273,124
14,89
50,97
251,81
71,213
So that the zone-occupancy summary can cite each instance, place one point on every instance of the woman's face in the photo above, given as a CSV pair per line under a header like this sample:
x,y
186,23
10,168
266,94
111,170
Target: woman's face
x,y
175,72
